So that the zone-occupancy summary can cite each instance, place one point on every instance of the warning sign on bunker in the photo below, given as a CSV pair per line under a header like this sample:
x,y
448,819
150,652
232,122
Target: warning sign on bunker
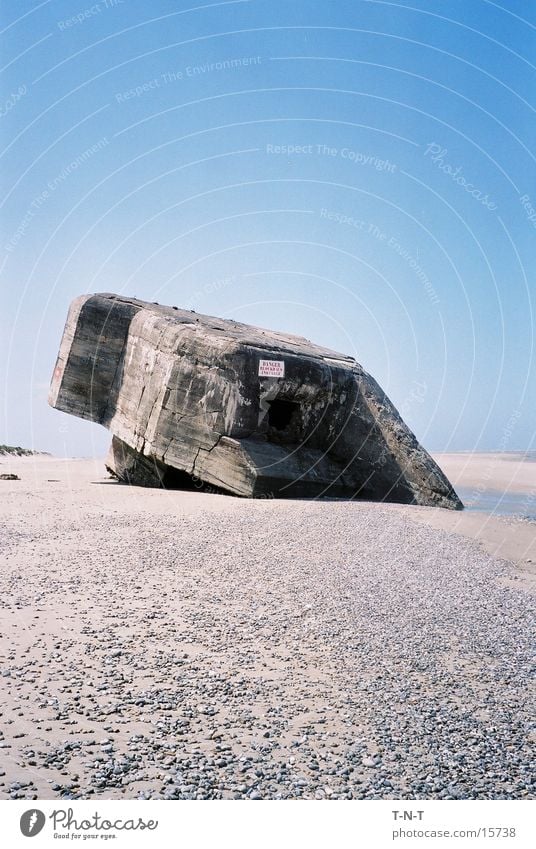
x,y
271,368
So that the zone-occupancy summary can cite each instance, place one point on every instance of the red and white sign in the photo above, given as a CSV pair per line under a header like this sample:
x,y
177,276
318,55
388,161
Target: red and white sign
x,y
271,368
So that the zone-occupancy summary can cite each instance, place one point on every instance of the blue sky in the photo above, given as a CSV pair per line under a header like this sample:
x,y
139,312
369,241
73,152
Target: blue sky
x,y
361,173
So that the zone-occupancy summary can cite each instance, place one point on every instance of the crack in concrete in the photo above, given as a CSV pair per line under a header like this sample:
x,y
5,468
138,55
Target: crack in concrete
x,y
206,450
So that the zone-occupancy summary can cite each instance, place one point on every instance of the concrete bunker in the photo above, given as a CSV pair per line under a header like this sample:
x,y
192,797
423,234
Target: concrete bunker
x,y
248,411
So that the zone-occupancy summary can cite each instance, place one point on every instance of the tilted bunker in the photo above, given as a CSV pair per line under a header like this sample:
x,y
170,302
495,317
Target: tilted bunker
x,y
254,412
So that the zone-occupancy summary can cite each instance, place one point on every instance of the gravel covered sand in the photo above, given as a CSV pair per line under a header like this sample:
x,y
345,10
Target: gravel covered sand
x,y
187,645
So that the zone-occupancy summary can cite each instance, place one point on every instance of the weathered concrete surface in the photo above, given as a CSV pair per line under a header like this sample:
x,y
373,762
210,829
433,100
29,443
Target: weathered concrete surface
x,y
183,395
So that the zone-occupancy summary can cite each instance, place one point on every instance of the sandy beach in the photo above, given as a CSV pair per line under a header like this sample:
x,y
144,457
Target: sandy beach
x,y
507,472
183,645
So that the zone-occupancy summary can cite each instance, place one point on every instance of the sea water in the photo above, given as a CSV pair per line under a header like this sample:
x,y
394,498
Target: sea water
x,y
522,505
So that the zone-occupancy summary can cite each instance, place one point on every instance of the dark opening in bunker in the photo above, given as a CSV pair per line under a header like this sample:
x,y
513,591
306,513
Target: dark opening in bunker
x,y
280,413
177,479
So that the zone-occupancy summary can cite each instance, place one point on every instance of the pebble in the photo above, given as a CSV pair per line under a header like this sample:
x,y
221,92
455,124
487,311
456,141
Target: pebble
x,y
178,668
